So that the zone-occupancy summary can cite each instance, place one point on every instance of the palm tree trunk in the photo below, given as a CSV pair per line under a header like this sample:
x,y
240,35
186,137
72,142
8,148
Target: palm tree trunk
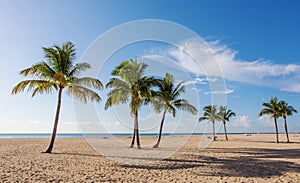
x,y
136,130
214,135
160,129
136,122
49,150
276,128
133,138
286,129
225,130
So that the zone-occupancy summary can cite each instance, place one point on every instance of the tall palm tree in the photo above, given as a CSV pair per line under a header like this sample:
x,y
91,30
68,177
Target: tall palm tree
x,y
129,84
225,115
271,108
286,110
167,98
210,114
59,72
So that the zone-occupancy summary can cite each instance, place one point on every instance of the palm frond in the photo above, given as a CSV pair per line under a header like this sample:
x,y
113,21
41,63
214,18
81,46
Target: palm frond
x,y
83,94
184,105
75,71
88,82
119,68
203,118
210,113
285,109
172,110
35,86
180,88
40,70
117,83
271,108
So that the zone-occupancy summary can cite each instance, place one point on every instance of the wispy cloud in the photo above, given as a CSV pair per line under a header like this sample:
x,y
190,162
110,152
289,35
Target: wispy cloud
x,y
218,60
223,92
195,81
292,88
243,121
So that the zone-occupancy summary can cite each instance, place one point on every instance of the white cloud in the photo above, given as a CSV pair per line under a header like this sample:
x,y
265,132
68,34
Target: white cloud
x,y
243,121
293,88
217,60
223,92
212,80
197,80
197,89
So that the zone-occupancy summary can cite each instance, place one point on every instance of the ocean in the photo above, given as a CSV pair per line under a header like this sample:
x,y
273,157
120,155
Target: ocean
x,y
79,135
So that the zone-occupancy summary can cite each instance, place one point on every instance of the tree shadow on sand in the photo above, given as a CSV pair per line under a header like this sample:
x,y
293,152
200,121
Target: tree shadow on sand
x,y
251,162
77,154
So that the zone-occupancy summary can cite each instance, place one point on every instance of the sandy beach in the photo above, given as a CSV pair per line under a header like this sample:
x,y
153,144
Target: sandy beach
x,y
254,158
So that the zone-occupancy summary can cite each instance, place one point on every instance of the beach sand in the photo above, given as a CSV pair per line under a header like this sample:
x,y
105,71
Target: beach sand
x,y
254,158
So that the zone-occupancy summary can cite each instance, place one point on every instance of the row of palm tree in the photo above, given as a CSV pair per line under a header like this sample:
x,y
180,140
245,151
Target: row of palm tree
x,y
212,114
128,84
277,109
59,72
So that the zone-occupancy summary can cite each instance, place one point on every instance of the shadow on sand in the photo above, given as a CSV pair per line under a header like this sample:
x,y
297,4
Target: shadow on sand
x,y
252,162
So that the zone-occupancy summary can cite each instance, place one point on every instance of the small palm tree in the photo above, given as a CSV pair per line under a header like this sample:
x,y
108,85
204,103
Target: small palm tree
x,y
210,114
286,110
129,84
225,116
57,73
167,99
271,108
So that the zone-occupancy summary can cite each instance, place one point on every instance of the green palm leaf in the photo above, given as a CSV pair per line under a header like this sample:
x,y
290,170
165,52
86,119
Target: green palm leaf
x,y
129,84
57,73
167,99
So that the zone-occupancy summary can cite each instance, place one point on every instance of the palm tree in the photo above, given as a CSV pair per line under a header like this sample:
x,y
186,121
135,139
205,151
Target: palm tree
x,y
167,98
59,72
271,108
210,114
225,116
127,84
286,110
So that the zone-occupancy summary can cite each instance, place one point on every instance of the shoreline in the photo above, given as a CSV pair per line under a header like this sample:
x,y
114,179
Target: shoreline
x,y
93,135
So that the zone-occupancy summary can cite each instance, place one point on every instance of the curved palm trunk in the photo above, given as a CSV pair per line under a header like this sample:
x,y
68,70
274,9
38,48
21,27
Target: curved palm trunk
x,y
136,130
49,150
214,134
276,128
160,129
225,130
286,129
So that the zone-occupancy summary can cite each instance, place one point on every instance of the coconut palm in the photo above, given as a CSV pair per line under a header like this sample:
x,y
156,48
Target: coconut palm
x,y
225,115
286,110
271,108
59,72
129,84
167,99
210,114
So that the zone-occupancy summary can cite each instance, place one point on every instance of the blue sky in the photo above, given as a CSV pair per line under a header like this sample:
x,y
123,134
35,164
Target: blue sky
x,y
255,43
